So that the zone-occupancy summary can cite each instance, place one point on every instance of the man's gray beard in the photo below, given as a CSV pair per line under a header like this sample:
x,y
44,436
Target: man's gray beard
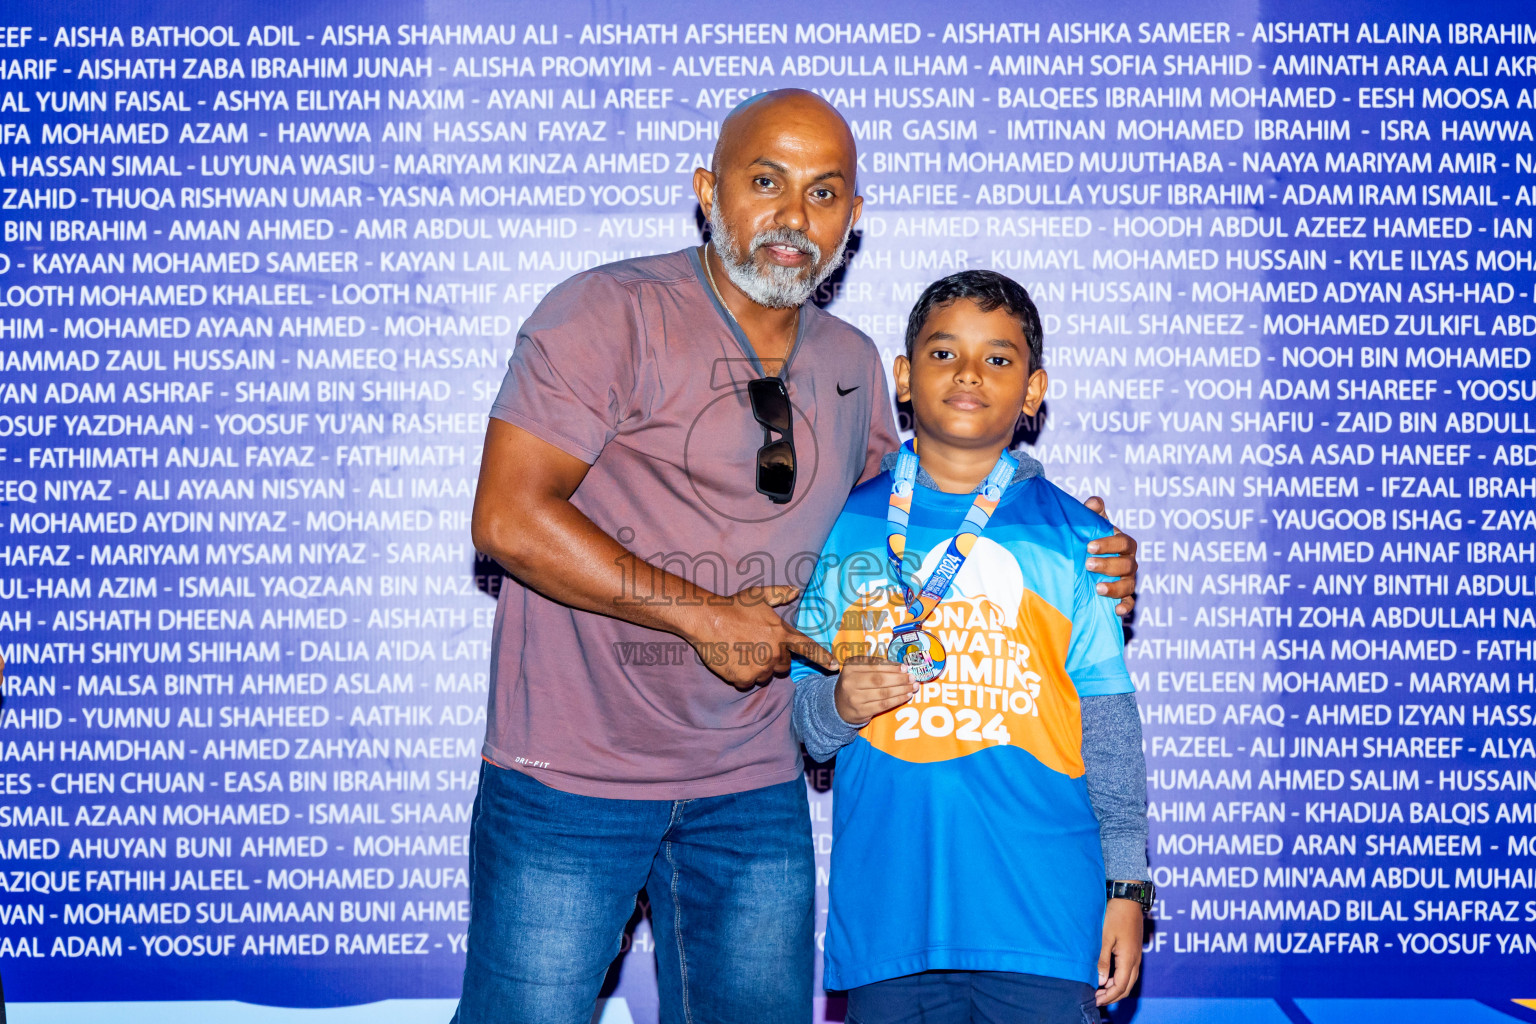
x,y
774,286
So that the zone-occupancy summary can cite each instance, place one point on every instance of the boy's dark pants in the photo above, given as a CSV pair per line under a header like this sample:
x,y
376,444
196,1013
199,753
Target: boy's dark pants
x,y
972,997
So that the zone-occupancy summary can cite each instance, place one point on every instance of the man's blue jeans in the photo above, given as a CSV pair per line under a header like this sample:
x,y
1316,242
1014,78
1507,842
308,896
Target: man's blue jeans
x,y
553,879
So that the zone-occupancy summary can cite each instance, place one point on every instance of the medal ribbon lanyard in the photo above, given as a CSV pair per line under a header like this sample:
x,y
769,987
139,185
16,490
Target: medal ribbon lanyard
x,y
922,602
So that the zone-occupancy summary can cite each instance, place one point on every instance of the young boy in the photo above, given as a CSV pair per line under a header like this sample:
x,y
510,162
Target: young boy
x,y
990,806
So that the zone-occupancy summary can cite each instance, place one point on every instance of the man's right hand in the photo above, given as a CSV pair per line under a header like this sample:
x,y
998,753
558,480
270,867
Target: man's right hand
x,y
871,686
745,642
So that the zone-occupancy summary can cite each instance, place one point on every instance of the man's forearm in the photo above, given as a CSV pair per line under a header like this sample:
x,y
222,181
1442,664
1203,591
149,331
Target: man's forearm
x,y
523,518
556,550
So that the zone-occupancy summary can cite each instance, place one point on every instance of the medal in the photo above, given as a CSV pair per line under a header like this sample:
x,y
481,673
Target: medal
x,y
919,651
911,645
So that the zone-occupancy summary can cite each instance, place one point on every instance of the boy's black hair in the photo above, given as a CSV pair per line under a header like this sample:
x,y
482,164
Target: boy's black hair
x,y
989,290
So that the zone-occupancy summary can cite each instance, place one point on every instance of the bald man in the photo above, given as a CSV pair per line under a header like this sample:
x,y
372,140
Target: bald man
x,y
673,441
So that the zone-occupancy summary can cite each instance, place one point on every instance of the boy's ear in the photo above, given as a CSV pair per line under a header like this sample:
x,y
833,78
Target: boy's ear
x,y
901,369
1034,392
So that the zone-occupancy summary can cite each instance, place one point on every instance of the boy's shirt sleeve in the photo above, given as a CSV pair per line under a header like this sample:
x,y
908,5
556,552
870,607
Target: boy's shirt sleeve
x,y
816,721
820,611
1096,654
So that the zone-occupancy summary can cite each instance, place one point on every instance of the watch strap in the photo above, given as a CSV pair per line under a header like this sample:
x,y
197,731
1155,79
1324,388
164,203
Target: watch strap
x,y
1140,892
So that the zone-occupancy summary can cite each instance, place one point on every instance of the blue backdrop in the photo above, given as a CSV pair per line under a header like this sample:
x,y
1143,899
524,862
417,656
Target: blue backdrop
x,y
262,265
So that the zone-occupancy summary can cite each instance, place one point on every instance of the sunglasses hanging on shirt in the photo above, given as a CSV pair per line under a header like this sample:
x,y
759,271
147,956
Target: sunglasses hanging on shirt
x,y
776,458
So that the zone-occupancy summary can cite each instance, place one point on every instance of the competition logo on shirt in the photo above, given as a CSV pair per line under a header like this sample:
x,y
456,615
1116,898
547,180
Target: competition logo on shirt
x,y
998,686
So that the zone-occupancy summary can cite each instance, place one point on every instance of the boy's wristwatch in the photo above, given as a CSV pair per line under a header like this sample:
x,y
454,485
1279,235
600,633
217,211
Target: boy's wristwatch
x,y
1141,892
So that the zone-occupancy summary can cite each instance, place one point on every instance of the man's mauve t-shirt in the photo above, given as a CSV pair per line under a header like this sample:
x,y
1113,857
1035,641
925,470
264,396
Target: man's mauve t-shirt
x,y
636,369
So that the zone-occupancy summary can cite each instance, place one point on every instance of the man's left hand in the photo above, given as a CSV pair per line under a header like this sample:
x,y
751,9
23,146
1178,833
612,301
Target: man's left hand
x,y
1117,557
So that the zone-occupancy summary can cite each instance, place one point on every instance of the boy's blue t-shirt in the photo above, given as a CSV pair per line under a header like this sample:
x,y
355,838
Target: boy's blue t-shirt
x,y
963,838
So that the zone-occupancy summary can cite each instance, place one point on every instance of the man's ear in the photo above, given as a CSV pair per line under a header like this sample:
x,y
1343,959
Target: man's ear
x,y
901,369
858,211
704,189
1034,393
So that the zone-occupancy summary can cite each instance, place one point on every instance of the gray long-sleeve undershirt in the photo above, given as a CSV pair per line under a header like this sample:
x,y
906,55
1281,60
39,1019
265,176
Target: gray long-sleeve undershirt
x,y
1116,770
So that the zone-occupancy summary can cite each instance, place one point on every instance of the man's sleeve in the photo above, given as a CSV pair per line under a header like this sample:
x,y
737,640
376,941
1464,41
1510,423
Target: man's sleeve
x,y
1096,654
883,438
816,720
571,378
